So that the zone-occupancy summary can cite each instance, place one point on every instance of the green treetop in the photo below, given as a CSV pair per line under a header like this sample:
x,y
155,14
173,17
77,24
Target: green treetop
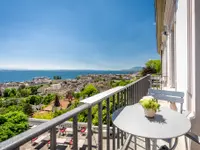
x,y
156,64
89,90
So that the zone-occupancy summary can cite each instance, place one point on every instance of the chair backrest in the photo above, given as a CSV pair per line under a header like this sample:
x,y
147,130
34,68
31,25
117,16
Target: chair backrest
x,y
170,96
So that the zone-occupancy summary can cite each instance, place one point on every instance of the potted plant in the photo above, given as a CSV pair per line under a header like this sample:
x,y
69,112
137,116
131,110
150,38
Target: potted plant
x,y
150,105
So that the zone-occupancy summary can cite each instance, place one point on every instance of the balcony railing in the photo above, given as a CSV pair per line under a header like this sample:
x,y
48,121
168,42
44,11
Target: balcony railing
x,y
121,96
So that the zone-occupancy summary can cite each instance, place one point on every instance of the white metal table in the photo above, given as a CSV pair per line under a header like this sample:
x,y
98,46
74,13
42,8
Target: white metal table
x,y
166,124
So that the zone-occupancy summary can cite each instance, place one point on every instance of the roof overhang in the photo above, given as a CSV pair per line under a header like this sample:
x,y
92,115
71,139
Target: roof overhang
x,y
159,16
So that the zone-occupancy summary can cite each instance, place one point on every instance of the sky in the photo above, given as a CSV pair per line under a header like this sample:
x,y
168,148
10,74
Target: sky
x,y
65,34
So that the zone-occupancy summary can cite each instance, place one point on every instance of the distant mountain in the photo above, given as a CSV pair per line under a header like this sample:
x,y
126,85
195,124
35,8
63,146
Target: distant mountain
x,y
139,68
135,69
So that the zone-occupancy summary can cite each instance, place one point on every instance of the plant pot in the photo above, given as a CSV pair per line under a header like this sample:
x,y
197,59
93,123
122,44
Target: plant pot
x,y
149,113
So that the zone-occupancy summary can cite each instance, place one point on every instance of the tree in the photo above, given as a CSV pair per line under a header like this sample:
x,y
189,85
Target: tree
x,y
9,102
76,95
89,90
154,64
12,108
57,102
59,112
12,92
120,83
6,92
24,92
12,123
27,109
34,99
48,99
57,77
34,89
148,70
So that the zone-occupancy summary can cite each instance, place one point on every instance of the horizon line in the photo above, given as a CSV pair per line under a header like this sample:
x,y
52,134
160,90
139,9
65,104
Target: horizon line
x,y
39,69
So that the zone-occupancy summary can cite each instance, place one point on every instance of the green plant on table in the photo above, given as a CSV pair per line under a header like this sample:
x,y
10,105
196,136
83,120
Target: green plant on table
x,y
149,102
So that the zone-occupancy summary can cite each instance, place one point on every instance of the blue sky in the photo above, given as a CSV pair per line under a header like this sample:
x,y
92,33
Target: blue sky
x,y
89,34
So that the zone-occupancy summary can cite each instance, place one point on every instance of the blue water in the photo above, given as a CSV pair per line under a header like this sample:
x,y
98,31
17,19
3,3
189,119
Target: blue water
x,y
20,76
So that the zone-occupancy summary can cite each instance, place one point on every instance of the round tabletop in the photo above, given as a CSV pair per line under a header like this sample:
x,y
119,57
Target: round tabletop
x,y
166,123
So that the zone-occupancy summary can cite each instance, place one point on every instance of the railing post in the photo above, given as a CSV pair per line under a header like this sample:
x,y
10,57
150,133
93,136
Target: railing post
x,y
125,104
147,84
90,128
125,98
122,99
113,124
131,94
100,142
53,138
75,132
142,87
128,95
118,142
132,87
140,91
108,122
134,94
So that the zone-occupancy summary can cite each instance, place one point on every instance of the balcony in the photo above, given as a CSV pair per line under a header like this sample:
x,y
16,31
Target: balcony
x,y
101,137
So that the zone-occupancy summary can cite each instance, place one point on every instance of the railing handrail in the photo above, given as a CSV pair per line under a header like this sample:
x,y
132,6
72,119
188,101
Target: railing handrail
x,y
26,136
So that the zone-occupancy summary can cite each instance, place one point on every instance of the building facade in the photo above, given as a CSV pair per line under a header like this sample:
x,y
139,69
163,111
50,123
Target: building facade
x,y
178,43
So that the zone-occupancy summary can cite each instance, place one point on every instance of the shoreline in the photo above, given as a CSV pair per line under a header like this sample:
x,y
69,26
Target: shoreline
x,y
28,75
64,86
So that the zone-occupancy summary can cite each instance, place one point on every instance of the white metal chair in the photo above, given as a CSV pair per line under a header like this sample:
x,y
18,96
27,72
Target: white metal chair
x,y
169,96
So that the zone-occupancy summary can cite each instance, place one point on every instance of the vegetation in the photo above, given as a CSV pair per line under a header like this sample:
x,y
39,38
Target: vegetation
x,y
57,77
120,83
45,115
76,95
56,102
22,91
89,90
151,67
148,102
48,99
156,64
12,123
17,104
148,70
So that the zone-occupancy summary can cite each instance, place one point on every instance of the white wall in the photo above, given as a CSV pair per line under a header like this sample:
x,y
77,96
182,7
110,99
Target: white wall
x,y
181,46
196,86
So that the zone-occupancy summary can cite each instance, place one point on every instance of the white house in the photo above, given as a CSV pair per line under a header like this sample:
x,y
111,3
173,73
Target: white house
x,y
178,43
